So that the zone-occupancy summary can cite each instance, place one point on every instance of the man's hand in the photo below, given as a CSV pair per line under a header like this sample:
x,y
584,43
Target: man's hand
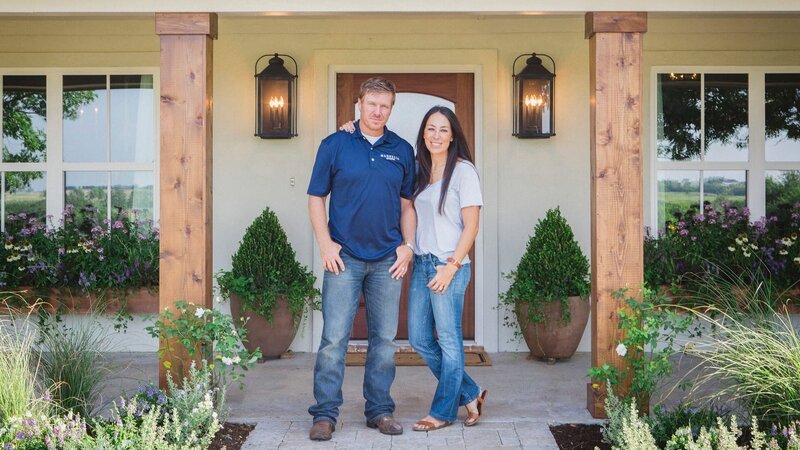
x,y
444,275
350,127
331,261
400,266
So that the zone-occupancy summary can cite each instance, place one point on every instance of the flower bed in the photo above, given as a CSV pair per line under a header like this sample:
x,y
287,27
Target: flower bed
x,y
82,263
724,242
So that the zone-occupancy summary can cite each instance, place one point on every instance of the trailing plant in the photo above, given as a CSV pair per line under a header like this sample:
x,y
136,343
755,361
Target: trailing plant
x,y
265,268
752,360
207,335
72,362
84,253
700,241
649,328
552,268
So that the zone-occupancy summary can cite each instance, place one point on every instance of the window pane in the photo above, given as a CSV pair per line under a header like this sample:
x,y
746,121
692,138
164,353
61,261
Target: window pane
x,y
87,192
725,186
783,190
678,116
25,193
726,127
782,92
132,118
678,191
85,118
132,191
24,115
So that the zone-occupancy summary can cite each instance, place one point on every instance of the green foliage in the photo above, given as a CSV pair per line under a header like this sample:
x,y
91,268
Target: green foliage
x,y
635,433
664,424
265,267
189,419
752,360
552,268
649,329
21,390
208,335
72,363
782,192
87,253
723,240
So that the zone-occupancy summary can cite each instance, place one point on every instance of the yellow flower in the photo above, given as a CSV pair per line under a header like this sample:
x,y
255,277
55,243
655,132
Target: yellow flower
x,y
671,227
167,364
595,386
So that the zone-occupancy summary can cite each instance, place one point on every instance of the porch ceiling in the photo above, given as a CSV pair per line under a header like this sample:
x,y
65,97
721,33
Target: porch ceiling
x,y
283,7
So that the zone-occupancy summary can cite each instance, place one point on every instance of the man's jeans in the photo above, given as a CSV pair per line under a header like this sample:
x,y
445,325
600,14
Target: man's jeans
x,y
340,295
444,356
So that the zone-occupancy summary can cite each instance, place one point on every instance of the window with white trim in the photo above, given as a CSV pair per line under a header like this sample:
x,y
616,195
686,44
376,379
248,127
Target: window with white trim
x,y
86,138
725,135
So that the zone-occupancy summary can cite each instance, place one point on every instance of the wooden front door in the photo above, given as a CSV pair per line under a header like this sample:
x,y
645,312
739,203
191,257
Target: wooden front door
x,y
416,93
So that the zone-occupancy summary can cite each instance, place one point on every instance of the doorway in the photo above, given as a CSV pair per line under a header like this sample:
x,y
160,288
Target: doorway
x,y
416,93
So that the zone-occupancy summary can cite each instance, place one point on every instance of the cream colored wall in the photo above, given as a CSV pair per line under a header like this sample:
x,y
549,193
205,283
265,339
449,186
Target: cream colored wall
x,y
521,178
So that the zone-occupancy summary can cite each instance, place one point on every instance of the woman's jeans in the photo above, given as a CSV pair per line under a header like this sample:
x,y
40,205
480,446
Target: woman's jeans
x,y
444,356
340,295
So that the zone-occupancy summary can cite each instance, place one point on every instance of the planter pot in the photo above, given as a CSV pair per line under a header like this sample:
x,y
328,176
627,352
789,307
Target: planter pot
x,y
272,338
551,340
75,301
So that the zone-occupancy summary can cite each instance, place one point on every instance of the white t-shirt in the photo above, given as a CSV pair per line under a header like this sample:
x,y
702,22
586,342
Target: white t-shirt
x,y
438,234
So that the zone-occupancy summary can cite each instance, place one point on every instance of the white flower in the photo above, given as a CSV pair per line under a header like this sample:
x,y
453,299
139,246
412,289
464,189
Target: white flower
x,y
199,312
227,361
754,246
622,350
797,260
739,241
746,253
214,415
783,251
731,248
787,242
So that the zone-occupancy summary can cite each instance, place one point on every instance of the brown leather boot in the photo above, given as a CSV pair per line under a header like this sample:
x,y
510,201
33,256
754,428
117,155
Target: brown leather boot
x,y
321,431
386,425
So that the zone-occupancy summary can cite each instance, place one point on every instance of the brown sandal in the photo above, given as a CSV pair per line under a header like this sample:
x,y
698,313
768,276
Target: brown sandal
x,y
473,418
424,425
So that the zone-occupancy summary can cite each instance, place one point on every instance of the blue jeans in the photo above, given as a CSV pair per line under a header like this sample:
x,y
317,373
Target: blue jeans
x,y
340,295
444,356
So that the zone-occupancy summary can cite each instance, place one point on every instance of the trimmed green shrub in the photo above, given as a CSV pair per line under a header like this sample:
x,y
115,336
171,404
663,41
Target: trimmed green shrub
x,y
265,267
552,269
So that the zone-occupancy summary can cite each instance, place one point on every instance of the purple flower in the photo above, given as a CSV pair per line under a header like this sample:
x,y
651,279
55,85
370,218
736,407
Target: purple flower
x,y
60,250
683,232
694,238
22,216
118,224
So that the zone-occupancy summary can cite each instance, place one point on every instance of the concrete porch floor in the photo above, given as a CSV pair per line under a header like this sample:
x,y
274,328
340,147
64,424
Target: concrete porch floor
x,y
525,397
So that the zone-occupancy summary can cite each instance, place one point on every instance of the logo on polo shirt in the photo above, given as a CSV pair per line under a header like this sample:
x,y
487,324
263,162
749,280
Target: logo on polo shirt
x,y
390,157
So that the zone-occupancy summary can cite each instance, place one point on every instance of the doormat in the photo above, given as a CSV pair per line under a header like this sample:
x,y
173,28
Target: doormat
x,y
408,357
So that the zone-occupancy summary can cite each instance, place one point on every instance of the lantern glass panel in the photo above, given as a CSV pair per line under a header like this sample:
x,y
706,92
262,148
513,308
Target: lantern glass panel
x,y
275,107
535,107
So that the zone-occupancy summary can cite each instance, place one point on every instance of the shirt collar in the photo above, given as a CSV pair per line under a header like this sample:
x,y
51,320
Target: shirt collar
x,y
387,135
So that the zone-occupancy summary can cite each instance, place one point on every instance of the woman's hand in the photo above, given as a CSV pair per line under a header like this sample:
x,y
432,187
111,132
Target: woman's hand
x,y
350,127
444,275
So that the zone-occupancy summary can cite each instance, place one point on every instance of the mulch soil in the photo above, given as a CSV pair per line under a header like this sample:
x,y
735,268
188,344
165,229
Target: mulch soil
x,y
577,436
231,436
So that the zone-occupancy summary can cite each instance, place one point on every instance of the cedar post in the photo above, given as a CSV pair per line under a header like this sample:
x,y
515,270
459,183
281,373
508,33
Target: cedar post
x,y
615,41
185,169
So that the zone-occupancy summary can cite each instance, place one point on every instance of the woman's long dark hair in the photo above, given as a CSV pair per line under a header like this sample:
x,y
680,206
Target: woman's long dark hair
x,y
457,150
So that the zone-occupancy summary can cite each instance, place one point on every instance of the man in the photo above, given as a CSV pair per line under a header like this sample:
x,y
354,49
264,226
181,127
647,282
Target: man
x,y
366,245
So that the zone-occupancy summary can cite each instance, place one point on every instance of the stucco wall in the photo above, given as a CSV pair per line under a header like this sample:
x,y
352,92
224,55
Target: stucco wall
x,y
521,178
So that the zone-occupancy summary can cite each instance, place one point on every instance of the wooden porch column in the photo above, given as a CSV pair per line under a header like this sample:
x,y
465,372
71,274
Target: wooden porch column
x,y
615,59
185,168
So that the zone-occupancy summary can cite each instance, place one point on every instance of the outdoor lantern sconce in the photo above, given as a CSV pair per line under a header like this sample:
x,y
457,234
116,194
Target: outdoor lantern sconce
x,y
276,99
533,98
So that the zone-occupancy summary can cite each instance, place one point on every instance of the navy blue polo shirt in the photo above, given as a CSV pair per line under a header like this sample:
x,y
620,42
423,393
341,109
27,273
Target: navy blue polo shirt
x,y
365,183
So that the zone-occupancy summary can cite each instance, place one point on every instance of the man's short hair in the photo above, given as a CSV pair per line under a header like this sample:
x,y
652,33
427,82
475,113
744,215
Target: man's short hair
x,y
377,85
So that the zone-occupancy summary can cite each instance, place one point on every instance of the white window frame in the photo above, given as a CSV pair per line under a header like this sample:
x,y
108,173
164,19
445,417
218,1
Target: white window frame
x,y
756,167
54,167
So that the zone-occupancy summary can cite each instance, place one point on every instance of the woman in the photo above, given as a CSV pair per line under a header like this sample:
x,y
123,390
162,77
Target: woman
x,y
447,200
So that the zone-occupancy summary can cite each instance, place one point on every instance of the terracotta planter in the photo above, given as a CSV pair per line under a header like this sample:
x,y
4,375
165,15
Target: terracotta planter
x,y
272,338
551,340
75,301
